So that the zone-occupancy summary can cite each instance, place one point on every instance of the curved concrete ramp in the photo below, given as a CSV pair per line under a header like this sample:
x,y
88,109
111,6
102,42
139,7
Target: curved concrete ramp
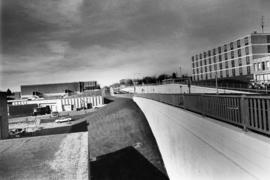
x,y
196,147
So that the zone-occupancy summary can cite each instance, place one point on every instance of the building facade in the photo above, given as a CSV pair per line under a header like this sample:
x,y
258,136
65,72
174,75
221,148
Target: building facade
x,y
231,61
57,89
3,116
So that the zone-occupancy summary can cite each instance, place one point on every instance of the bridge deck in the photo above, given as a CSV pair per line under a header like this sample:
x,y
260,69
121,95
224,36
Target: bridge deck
x,y
197,147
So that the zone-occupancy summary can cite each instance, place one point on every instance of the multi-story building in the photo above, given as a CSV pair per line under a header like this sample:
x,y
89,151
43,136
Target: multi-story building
x,y
232,61
3,116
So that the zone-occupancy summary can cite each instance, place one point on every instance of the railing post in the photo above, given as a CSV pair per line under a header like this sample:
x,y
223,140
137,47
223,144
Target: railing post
x,y
184,104
202,104
244,111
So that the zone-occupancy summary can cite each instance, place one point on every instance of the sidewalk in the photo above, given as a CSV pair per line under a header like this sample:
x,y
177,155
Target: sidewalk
x,y
197,147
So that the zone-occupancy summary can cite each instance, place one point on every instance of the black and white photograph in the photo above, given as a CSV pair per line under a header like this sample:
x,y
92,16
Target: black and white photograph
x,y
135,90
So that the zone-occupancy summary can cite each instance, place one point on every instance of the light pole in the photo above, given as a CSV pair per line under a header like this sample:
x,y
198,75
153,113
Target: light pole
x,y
216,83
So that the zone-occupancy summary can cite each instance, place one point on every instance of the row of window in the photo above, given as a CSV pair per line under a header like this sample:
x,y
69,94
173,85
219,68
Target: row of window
x,y
209,69
221,74
261,66
219,58
219,49
220,64
262,77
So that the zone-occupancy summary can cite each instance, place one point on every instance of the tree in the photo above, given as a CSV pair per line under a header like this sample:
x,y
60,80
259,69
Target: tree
x,y
173,75
9,93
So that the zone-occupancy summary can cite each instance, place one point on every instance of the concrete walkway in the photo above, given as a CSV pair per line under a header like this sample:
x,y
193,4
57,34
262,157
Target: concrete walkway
x,y
196,147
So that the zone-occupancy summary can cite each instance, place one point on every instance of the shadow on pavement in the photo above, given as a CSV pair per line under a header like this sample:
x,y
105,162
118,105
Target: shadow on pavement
x,y
124,164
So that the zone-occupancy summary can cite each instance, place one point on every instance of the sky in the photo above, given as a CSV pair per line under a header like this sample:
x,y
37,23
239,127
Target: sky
x,y
108,40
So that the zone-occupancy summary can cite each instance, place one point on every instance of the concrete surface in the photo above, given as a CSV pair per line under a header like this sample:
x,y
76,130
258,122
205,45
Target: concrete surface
x,y
175,88
121,124
62,156
196,147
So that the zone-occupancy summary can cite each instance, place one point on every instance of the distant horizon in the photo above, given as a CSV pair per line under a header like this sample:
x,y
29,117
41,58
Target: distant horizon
x,y
76,40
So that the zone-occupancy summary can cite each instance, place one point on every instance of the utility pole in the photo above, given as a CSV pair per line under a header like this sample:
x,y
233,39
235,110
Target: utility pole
x,y
180,71
262,24
216,83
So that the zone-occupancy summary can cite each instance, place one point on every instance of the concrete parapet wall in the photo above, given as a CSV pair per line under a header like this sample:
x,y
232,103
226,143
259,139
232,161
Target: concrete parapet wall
x,y
197,147
176,88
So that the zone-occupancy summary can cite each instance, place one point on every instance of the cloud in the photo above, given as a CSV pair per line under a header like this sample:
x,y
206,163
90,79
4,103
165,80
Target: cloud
x,y
68,40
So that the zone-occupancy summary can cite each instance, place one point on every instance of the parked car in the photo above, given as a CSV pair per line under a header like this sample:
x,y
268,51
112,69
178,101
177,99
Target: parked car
x,y
63,119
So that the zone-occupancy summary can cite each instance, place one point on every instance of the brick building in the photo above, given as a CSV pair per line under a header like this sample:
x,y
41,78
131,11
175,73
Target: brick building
x,y
232,61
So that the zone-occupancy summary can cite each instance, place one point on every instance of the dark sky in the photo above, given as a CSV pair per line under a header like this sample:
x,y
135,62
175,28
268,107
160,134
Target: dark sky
x,y
47,41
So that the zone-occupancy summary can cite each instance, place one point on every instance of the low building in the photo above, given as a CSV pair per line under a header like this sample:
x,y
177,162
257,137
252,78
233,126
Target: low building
x,y
3,116
63,104
262,70
57,89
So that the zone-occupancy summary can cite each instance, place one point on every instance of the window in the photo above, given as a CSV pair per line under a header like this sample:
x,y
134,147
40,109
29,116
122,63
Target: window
x,y
240,71
198,71
206,77
209,60
232,54
210,68
238,44
268,64
247,60
193,71
200,63
248,70
204,54
209,53
268,38
214,51
196,63
263,66
268,47
220,65
204,61
233,72
220,58
226,64
196,57
240,62
225,48
239,53
255,67
192,58
246,40
259,66
219,50
231,45
214,59
192,65
200,56
247,50
226,56
221,74
233,63
201,70
227,73
215,67
205,68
